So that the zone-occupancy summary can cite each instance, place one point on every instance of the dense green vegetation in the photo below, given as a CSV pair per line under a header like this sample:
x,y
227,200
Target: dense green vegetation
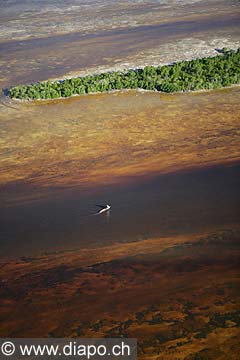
x,y
205,73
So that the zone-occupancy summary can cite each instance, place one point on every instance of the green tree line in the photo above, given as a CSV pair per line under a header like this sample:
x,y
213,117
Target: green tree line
x,y
204,73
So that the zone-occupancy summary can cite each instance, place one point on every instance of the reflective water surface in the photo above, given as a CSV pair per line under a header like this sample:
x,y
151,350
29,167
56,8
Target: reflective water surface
x,y
60,158
182,203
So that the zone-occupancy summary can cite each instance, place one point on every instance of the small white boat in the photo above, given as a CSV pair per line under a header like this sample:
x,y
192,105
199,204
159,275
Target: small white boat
x,y
103,208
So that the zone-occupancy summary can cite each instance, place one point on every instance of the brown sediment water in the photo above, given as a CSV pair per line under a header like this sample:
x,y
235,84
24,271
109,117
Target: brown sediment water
x,y
60,158
88,141
163,265
189,202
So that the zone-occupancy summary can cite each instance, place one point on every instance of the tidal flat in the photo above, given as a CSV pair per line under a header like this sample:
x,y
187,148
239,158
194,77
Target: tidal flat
x,y
163,265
